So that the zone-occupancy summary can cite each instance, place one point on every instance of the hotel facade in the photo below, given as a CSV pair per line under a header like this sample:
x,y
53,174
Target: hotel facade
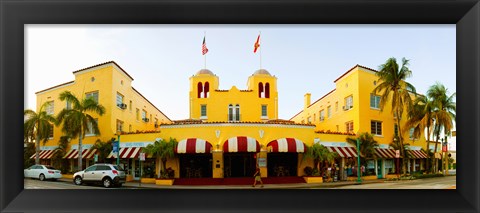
x,y
230,132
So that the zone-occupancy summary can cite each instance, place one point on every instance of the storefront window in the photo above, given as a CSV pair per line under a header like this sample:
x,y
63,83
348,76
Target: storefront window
x,y
370,170
389,166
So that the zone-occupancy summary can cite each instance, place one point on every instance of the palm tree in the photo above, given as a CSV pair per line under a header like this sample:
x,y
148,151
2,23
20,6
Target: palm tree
x,y
162,150
393,86
367,145
443,112
395,144
319,153
59,152
103,149
76,120
39,125
421,118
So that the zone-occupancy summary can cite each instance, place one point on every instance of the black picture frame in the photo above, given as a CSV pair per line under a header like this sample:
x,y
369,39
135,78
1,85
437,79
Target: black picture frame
x,y
15,14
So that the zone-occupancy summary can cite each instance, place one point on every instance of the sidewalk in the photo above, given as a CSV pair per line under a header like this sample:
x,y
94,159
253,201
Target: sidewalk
x,y
265,186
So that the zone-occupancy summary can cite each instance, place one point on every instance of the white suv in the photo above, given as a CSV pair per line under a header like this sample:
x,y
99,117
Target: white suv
x,y
107,174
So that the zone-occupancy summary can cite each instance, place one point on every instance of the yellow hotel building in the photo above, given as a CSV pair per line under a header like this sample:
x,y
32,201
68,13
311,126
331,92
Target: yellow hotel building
x,y
229,132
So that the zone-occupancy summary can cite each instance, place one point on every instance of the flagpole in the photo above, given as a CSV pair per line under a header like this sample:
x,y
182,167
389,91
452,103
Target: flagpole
x,y
205,55
260,33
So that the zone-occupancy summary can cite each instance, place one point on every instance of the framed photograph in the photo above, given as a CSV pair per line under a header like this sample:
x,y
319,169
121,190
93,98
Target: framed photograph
x,y
42,36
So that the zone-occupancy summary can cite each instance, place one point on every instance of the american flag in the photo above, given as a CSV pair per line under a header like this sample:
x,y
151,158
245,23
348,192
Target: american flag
x,y
204,47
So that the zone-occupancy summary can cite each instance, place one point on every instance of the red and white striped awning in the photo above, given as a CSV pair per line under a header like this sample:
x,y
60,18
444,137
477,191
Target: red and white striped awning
x,y
287,145
193,145
86,154
241,144
384,153
415,154
127,152
344,152
44,154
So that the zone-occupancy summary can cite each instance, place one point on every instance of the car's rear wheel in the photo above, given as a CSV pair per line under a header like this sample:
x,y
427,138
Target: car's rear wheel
x,y
107,182
41,177
78,180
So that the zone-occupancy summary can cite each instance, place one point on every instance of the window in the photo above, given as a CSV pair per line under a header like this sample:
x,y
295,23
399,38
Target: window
x,y
233,112
376,127
50,132
119,126
322,115
374,101
348,102
92,95
119,100
91,168
90,131
130,106
203,110
137,114
199,89
349,127
264,110
336,106
144,116
130,128
338,129
329,111
410,133
102,168
49,108
314,117
309,120
68,105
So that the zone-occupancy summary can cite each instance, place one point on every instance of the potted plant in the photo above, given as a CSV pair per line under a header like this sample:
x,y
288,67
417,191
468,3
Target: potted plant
x,y
320,155
163,150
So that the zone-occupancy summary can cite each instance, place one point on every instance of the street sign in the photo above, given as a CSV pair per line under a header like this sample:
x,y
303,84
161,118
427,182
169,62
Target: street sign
x,y
397,153
142,156
115,146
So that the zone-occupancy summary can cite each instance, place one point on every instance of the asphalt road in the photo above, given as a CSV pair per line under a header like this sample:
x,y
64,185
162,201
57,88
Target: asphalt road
x,y
449,182
51,184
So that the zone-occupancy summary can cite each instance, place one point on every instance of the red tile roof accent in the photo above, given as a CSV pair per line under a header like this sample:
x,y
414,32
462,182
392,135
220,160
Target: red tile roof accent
x,y
354,68
54,87
191,121
108,62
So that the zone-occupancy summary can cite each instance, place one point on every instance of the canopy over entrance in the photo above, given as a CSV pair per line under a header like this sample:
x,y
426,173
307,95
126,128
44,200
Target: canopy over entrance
x,y
287,145
193,146
241,144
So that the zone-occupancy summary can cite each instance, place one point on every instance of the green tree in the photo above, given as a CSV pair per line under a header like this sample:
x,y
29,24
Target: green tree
x,y
420,117
443,112
162,150
394,88
367,147
103,149
38,124
76,120
28,151
319,154
57,157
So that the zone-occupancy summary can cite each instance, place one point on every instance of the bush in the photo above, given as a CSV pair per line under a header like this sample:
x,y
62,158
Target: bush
x,y
420,176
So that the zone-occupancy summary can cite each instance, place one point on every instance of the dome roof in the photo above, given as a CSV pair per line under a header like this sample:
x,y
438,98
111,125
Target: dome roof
x,y
261,72
205,71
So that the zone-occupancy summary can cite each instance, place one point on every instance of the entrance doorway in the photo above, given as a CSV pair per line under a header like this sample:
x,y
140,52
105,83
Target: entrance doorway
x,y
282,164
239,164
379,169
195,165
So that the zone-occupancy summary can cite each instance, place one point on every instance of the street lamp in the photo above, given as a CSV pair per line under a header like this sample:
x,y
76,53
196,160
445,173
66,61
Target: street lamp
x,y
359,180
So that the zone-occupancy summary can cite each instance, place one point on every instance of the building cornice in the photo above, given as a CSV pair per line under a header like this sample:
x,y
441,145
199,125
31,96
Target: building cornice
x,y
55,87
297,126
102,65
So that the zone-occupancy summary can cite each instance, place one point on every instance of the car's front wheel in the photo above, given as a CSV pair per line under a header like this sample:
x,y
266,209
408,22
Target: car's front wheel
x,y
107,182
41,177
77,180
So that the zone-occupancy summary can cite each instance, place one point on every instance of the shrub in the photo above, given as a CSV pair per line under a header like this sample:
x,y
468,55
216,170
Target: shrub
x,y
308,170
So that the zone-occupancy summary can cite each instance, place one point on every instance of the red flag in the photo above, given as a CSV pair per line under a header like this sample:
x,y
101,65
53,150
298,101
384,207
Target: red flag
x,y
204,47
257,44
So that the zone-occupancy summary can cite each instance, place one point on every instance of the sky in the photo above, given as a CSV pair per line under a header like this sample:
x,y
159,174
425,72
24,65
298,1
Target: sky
x,y
304,58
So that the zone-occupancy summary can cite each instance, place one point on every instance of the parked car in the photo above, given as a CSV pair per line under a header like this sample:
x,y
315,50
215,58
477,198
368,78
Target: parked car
x,y
42,172
106,174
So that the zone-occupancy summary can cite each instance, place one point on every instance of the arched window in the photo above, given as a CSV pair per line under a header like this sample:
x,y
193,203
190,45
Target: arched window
x,y
237,112
206,89
260,89
230,112
199,90
267,90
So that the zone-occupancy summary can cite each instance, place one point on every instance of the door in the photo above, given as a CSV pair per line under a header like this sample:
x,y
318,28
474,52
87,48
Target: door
x,y
100,172
89,173
36,171
379,169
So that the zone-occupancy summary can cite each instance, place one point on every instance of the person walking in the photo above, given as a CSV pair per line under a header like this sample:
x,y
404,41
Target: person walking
x,y
257,177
